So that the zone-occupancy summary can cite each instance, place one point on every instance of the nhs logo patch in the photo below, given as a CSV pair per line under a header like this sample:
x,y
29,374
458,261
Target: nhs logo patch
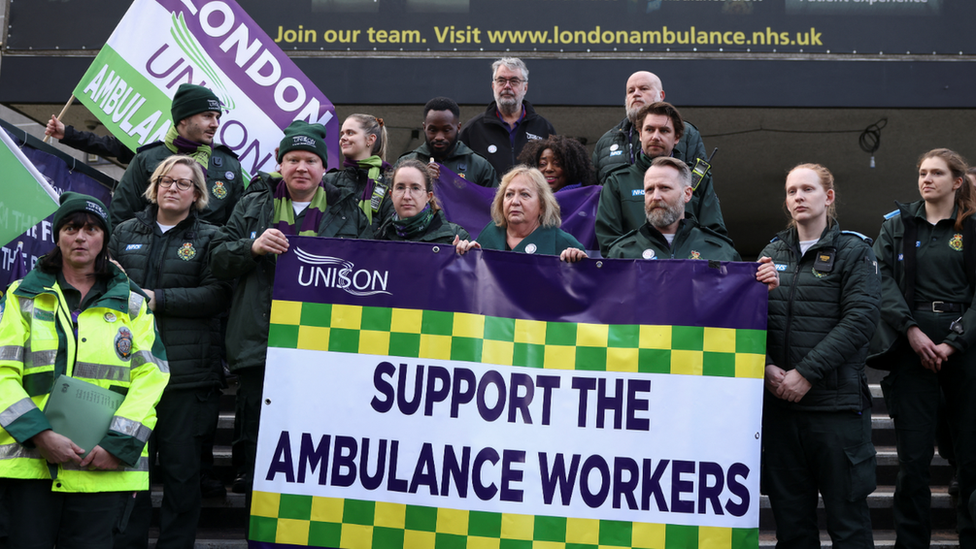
x,y
616,153
254,234
637,192
780,266
131,247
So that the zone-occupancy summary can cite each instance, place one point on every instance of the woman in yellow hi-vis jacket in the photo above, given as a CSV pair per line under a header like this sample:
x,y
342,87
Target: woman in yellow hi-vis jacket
x,y
76,314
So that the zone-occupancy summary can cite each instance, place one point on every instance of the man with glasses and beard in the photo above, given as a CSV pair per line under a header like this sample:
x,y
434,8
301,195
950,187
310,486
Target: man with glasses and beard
x,y
500,132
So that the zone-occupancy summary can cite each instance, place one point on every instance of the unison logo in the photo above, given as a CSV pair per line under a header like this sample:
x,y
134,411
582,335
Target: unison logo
x,y
322,271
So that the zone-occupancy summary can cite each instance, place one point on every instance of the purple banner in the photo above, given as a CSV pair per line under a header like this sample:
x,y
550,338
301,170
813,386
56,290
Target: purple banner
x,y
513,285
257,65
469,205
20,254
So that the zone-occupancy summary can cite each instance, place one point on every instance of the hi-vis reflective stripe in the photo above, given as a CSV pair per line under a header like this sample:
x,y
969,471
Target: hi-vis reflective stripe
x,y
129,427
135,303
12,352
92,370
40,359
13,451
141,466
146,357
15,411
27,307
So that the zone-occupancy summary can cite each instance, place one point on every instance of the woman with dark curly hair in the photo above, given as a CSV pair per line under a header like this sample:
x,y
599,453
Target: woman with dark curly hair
x,y
562,160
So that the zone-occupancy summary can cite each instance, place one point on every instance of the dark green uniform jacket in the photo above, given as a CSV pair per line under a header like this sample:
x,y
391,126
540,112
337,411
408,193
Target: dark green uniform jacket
x,y
188,296
690,242
621,208
943,248
224,183
353,180
822,316
544,240
462,161
250,310
440,231
621,145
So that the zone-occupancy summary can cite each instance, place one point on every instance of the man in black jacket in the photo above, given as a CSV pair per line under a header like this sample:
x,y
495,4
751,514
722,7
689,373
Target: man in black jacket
x,y
500,132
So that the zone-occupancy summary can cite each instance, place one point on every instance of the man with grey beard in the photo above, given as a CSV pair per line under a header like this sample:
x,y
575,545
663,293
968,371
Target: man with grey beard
x,y
621,143
510,122
671,232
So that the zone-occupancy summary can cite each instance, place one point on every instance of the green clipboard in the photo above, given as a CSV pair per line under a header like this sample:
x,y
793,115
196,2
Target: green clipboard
x,y
81,411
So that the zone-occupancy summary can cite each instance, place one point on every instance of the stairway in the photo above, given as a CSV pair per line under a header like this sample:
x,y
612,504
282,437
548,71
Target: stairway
x,y
223,520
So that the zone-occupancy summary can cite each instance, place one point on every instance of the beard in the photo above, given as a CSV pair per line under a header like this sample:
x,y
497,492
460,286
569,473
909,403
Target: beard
x,y
632,113
663,217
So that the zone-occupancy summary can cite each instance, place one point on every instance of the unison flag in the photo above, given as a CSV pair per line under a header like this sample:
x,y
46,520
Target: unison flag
x,y
160,44
420,399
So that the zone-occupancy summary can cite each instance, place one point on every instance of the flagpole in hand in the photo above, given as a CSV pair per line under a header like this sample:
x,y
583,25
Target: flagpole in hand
x,y
60,116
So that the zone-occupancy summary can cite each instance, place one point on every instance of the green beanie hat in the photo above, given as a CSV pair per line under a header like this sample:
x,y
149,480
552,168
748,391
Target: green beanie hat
x,y
72,202
191,99
302,136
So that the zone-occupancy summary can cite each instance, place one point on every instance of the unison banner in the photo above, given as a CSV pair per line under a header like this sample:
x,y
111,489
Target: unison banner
x,y
417,398
160,44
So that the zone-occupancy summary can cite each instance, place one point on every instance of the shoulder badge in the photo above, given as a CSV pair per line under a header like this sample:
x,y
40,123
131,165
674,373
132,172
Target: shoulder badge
x,y
218,190
123,343
186,251
956,242
891,214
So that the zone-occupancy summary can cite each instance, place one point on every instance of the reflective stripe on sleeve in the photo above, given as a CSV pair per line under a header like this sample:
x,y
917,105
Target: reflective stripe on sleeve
x,y
135,304
27,308
13,451
12,352
40,359
131,428
108,372
15,411
146,357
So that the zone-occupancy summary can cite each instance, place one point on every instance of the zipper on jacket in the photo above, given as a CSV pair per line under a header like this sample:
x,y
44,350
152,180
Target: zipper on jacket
x,y
789,308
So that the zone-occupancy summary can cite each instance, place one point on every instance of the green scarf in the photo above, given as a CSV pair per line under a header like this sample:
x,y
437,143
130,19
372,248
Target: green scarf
x,y
373,166
284,212
181,145
412,228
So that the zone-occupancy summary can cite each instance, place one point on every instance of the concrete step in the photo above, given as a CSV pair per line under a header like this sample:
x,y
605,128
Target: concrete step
x,y
942,539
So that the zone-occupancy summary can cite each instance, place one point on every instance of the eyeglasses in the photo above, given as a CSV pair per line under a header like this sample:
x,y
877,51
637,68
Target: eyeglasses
x,y
410,190
515,82
181,184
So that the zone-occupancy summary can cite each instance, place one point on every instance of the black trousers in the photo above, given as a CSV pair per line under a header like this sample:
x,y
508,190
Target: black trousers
x,y
827,452
40,518
912,395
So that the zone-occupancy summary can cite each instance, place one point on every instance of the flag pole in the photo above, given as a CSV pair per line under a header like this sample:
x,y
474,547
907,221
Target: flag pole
x,y
60,116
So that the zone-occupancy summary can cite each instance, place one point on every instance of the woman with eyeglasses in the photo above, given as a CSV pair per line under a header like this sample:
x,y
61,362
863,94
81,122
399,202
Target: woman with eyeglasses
x,y
417,217
164,250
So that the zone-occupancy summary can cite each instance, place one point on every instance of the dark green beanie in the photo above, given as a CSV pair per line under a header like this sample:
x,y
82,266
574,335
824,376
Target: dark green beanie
x,y
302,136
191,99
72,202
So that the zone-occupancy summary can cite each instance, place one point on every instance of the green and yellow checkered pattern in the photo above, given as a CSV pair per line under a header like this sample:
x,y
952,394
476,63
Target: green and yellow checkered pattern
x,y
437,335
356,524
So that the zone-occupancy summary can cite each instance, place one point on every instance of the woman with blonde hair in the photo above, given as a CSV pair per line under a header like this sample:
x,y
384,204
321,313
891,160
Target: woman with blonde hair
x,y
164,250
525,218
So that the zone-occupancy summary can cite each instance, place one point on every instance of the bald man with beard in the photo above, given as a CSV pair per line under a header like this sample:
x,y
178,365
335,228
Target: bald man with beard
x,y
621,144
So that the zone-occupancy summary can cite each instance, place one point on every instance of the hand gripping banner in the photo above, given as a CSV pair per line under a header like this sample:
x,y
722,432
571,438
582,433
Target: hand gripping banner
x,y
417,398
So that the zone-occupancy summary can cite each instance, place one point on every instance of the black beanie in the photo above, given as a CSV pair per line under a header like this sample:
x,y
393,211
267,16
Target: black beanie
x,y
302,136
72,202
191,99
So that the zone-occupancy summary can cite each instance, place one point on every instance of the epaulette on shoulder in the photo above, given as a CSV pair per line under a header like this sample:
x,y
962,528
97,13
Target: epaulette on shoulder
x,y
226,149
867,239
152,145
775,238
893,213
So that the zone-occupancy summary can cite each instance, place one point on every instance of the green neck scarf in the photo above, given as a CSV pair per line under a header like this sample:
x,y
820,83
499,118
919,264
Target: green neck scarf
x,y
411,228
372,193
180,145
284,212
